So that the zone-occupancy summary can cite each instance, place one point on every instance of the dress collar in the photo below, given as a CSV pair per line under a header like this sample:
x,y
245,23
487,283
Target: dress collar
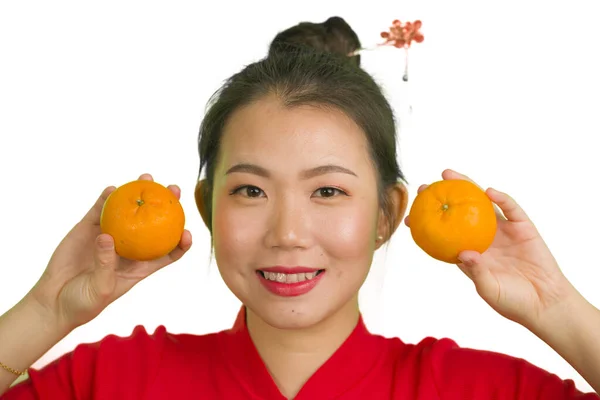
x,y
353,360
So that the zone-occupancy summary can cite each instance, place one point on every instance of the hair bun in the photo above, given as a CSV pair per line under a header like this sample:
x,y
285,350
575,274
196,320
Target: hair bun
x,y
340,23
332,36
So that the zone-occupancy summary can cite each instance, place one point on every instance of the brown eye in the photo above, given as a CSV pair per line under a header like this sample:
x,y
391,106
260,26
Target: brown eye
x,y
249,191
253,191
328,192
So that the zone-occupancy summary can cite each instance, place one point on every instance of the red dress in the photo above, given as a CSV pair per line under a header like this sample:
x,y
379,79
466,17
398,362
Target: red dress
x,y
226,365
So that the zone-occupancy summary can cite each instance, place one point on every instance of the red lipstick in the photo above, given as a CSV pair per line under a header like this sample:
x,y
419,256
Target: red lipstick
x,y
289,270
289,289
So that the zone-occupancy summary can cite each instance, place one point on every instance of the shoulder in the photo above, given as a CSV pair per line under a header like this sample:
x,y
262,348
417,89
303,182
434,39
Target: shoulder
x,y
153,350
427,351
136,358
149,344
457,371
447,359
139,338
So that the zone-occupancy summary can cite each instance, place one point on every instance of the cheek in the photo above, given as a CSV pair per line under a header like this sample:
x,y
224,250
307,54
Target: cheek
x,y
235,231
349,234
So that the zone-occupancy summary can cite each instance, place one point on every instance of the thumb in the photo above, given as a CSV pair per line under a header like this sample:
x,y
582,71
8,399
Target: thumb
x,y
473,265
105,263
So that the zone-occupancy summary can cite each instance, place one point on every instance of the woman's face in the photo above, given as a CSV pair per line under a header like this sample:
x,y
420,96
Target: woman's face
x,y
295,211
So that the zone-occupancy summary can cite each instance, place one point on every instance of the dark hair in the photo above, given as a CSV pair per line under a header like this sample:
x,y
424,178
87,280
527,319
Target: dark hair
x,y
305,77
332,36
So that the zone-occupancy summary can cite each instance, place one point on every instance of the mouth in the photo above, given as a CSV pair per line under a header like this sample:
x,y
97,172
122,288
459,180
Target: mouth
x,y
289,278
290,282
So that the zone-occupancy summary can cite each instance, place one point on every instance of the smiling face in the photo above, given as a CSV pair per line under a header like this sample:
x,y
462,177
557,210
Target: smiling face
x,y
295,215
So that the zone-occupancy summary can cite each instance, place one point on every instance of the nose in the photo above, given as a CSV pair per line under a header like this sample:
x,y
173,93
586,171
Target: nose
x,y
289,225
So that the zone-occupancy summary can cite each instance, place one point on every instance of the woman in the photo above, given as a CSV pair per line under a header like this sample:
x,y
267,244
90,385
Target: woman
x,y
300,187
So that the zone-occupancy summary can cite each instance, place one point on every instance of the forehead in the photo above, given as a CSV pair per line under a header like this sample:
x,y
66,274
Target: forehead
x,y
306,134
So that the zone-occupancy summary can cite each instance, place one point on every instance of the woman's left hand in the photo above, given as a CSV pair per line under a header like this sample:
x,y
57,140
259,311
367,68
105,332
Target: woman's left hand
x,y
518,275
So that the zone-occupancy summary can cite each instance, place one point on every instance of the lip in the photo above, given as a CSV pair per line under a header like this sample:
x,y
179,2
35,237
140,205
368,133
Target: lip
x,y
290,289
289,270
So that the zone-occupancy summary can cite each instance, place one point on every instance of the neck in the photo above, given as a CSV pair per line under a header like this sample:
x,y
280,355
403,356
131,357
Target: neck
x,y
293,356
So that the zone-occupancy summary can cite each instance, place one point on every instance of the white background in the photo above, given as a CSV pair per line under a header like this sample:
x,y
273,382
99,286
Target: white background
x,y
95,93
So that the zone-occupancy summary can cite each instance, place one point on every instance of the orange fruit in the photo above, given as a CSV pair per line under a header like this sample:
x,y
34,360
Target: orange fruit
x,y
145,220
451,216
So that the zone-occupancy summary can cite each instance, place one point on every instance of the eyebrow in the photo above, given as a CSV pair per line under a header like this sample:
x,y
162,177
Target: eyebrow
x,y
306,174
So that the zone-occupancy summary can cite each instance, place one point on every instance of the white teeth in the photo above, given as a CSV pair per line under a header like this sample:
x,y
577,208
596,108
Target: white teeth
x,y
289,278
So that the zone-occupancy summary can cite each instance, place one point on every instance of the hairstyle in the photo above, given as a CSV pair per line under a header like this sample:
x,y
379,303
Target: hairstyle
x,y
305,77
333,36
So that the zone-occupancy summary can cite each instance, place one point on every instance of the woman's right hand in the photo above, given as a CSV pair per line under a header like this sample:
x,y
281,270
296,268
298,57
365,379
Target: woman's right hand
x,y
85,274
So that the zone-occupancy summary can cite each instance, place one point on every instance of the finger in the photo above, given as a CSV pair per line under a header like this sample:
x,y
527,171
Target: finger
x,y
185,243
407,221
105,262
509,207
465,260
450,174
145,177
473,266
93,215
176,190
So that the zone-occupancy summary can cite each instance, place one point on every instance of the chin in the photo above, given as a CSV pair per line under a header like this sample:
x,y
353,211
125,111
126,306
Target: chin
x,y
290,316
302,312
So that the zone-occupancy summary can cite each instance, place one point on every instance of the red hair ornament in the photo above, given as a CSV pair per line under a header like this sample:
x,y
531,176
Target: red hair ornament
x,y
400,35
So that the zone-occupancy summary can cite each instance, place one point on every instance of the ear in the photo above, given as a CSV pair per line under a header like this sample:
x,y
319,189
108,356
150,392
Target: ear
x,y
397,203
199,195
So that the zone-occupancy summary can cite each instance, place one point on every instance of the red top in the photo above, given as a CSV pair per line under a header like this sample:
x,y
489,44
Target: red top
x,y
226,365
